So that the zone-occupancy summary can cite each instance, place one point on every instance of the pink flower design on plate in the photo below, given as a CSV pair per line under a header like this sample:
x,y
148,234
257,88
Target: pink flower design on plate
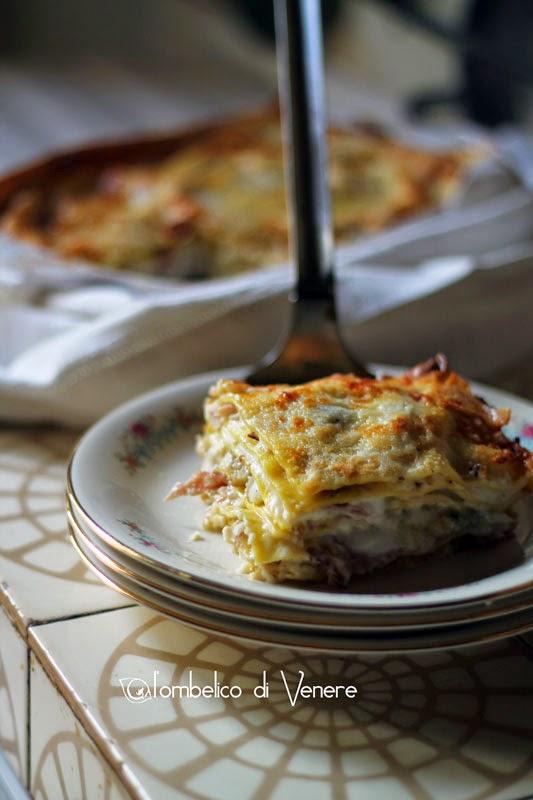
x,y
140,429
144,438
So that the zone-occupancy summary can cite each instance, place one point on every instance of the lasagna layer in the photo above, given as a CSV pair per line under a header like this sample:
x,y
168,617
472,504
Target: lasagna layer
x,y
342,475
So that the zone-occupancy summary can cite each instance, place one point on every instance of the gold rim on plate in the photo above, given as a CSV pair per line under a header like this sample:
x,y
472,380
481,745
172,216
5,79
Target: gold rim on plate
x,y
402,615
255,638
250,615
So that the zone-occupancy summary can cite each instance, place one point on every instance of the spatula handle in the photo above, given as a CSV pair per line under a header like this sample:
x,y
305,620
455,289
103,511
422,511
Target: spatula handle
x,y
302,98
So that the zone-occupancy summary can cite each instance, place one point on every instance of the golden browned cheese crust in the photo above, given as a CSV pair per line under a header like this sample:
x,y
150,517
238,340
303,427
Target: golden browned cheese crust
x,y
220,201
344,431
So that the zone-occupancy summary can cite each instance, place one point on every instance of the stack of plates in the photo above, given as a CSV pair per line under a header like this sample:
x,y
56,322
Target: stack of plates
x,y
151,550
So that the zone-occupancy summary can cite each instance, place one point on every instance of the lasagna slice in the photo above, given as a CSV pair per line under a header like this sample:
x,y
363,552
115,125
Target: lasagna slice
x,y
343,475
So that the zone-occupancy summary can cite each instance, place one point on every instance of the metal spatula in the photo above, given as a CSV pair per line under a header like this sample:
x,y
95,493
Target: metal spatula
x,y
313,348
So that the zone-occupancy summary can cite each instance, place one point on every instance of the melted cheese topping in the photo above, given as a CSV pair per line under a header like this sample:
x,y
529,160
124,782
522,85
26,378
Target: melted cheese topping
x,y
395,437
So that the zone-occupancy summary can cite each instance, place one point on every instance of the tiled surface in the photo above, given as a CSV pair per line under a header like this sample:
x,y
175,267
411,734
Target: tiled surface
x,y
41,578
65,764
445,725
13,696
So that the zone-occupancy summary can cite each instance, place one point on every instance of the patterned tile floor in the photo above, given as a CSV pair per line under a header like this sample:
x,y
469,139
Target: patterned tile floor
x,y
443,725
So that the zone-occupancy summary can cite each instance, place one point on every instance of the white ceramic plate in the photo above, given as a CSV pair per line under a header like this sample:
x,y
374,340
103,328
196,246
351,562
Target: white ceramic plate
x,y
125,465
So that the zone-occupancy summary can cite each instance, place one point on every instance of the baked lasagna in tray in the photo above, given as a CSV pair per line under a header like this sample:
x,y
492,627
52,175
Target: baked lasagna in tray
x,y
213,203
337,477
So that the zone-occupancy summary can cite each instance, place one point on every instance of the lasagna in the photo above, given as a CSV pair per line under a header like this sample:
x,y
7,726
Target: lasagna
x,y
337,477
216,205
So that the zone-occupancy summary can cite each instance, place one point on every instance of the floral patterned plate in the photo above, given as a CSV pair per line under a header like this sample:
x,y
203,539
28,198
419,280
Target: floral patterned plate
x,y
125,465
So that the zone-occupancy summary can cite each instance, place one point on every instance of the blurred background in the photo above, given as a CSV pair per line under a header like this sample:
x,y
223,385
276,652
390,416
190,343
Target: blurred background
x,y
458,279
74,70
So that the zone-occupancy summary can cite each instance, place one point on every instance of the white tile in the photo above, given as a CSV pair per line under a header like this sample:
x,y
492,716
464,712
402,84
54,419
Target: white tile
x,y
10,481
273,755
53,556
45,576
516,789
222,731
199,707
220,780
363,763
404,718
341,719
218,653
13,696
132,716
382,730
170,749
261,752
395,667
310,762
290,788
378,789
451,678
16,533
451,779
258,716
285,731
351,738
498,750
168,637
303,714
316,738
322,718
62,755
410,751
443,731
